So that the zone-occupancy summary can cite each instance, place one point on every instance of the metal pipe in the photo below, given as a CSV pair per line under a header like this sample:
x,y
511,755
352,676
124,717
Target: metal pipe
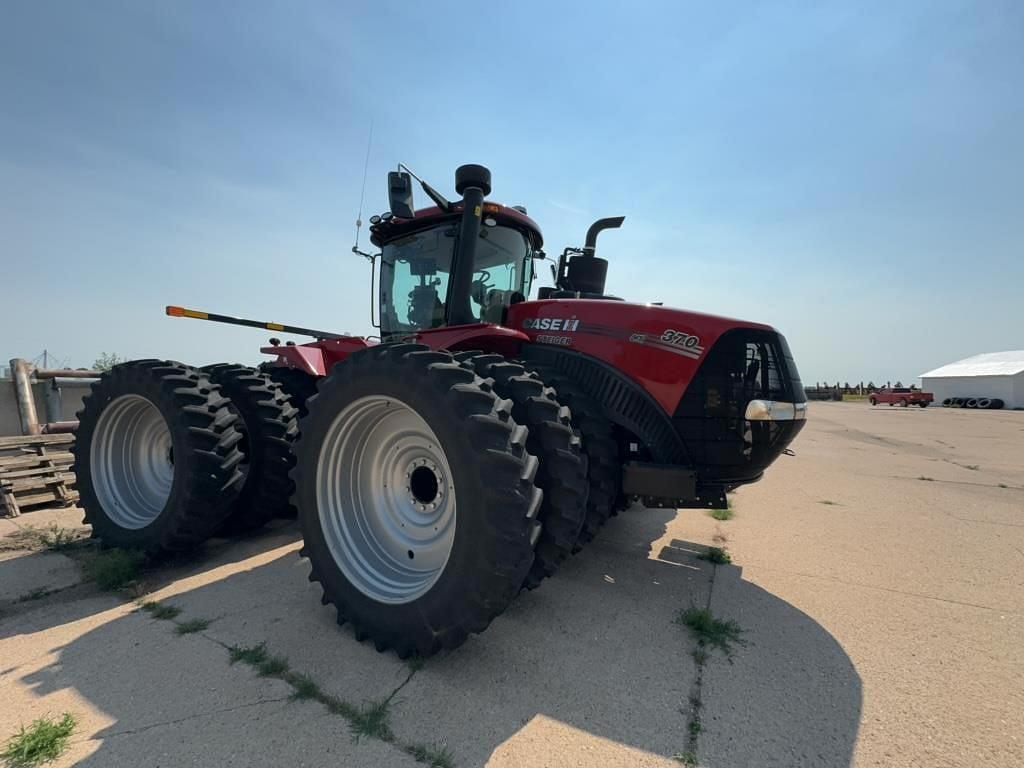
x,y
54,404
63,383
473,182
57,373
55,427
613,222
21,378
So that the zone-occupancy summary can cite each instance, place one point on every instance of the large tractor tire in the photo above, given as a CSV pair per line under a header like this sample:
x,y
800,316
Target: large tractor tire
x,y
298,385
563,467
156,457
269,427
604,469
416,498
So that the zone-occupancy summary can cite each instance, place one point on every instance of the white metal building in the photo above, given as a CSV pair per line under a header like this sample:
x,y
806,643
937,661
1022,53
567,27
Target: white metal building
x,y
993,374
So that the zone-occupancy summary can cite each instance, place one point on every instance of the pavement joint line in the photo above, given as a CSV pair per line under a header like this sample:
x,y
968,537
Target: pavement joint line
x,y
826,577
326,700
695,700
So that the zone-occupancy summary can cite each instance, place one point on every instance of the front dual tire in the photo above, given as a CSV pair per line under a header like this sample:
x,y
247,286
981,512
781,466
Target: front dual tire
x,y
416,498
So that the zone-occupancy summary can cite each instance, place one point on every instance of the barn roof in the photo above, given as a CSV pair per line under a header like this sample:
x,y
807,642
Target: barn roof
x,y
987,364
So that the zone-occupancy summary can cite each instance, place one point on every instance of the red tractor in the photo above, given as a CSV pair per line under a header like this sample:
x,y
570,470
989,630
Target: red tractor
x,y
465,455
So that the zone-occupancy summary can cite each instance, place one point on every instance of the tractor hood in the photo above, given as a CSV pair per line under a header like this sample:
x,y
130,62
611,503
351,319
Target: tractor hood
x,y
719,395
658,347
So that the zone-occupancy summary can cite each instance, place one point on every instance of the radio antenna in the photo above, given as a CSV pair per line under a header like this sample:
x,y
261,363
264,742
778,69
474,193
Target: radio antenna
x,y
362,194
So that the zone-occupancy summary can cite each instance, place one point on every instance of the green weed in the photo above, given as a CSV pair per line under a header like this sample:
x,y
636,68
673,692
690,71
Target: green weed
x,y
41,742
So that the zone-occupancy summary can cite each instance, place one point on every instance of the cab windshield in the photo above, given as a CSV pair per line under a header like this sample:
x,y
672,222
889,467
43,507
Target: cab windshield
x,y
416,270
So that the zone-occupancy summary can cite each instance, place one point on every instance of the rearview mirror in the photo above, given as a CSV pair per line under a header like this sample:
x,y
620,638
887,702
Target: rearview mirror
x,y
400,195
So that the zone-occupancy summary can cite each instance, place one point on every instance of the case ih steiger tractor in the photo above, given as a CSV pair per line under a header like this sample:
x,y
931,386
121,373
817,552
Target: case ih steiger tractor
x,y
465,455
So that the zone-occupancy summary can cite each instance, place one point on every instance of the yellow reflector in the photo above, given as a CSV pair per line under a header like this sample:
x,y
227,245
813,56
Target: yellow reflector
x,y
274,327
196,315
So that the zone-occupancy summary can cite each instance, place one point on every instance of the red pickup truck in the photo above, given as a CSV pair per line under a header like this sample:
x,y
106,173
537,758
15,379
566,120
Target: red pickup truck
x,y
901,396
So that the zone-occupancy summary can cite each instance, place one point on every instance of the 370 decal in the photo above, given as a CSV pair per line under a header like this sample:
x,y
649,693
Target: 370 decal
x,y
671,340
681,339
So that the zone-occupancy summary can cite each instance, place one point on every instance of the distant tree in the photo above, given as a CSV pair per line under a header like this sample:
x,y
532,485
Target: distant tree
x,y
106,361
899,384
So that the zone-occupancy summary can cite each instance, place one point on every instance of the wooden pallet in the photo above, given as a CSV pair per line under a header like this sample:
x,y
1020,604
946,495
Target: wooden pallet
x,y
36,470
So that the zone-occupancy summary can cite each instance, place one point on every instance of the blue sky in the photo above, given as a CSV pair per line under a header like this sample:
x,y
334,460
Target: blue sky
x,y
849,173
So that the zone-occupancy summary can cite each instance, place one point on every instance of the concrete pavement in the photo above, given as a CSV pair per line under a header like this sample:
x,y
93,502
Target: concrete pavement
x,y
882,615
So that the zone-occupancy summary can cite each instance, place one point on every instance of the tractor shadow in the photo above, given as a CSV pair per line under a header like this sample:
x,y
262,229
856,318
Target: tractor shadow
x,y
588,669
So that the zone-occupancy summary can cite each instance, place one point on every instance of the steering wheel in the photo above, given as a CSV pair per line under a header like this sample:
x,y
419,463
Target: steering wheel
x,y
479,289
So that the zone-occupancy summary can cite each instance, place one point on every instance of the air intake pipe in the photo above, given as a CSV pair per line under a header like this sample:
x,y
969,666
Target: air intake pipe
x,y
585,272
473,182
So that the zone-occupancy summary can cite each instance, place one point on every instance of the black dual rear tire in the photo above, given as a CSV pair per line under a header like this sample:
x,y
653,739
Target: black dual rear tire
x,y
156,457
298,385
604,468
553,440
492,477
270,426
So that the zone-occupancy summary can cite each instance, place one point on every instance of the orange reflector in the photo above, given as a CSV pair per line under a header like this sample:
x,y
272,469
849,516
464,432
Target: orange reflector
x,y
176,311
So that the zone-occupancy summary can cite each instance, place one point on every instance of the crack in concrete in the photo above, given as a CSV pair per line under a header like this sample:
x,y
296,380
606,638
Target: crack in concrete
x,y
964,603
412,673
222,710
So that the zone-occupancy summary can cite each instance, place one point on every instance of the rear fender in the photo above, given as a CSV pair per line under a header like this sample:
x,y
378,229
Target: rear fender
x,y
489,338
318,357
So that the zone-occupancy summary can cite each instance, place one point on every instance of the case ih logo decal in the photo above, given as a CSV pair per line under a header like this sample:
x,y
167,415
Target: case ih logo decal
x,y
671,340
551,323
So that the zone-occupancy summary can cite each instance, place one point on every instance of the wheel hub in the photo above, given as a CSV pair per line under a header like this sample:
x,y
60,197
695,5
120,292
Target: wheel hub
x,y
132,461
386,499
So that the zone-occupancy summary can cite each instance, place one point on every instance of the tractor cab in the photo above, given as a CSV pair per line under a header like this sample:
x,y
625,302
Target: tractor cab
x,y
418,257
457,263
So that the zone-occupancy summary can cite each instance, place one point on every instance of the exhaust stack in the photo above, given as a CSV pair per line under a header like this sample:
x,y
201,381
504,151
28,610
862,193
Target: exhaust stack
x,y
584,272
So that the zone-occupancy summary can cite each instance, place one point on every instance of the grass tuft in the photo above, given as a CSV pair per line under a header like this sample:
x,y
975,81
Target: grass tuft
x,y
272,666
433,755
114,568
709,631
687,758
41,742
192,626
253,656
829,503
721,514
716,555
973,467
59,539
32,539
926,478
304,688
161,611
1003,485
371,720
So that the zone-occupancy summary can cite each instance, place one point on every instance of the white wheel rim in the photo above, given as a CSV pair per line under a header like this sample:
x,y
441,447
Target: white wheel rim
x,y
386,499
132,461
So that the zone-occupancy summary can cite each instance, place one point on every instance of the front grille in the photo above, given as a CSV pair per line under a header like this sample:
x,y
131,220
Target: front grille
x,y
743,365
